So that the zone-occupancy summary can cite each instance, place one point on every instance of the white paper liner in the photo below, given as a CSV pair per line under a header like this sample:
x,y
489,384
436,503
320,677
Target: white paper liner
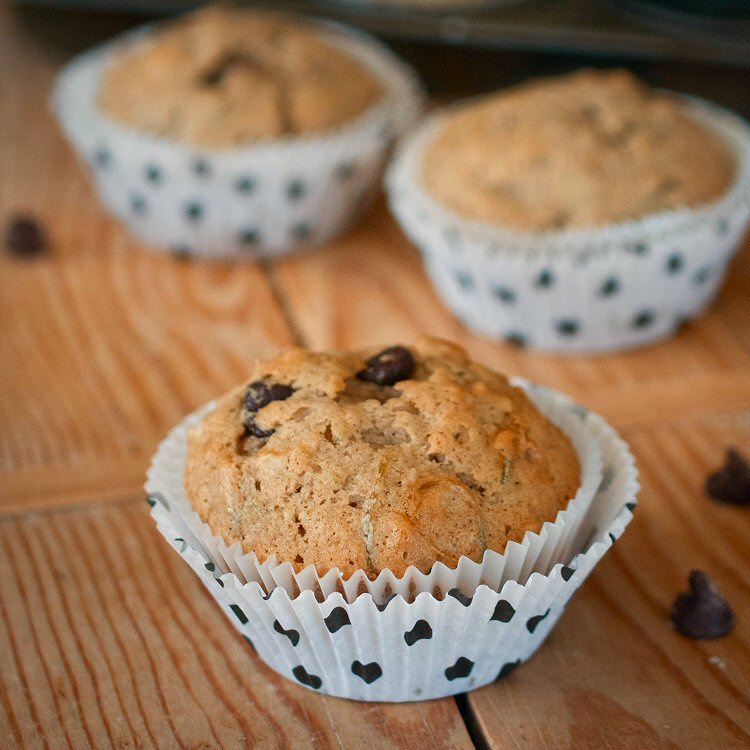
x,y
253,201
320,631
617,286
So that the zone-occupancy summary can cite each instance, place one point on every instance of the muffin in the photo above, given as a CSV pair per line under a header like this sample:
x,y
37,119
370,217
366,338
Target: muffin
x,y
237,133
576,213
377,460
220,79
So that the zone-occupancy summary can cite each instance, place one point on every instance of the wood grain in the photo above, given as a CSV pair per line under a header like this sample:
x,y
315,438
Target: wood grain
x,y
107,639
613,673
105,345
370,288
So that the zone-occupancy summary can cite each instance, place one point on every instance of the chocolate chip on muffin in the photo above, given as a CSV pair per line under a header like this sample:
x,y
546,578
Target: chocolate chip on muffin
x,y
422,456
224,77
389,366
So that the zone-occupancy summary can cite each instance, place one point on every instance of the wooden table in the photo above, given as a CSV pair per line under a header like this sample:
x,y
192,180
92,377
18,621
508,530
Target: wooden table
x,y
107,639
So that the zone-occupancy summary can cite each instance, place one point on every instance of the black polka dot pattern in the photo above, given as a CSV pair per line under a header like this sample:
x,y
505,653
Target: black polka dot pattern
x,y
156,497
202,168
249,237
367,672
566,572
702,275
643,319
464,280
507,668
504,611
345,170
612,537
631,506
722,226
545,279
505,295
102,157
516,339
637,248
533,622
383,605
138,204
291,634
238,613
610,287
675,263
568,327
303,676
302,231
337,619
462,668
194,211
153,174
250,643
421,631
296,190
245,185
461,597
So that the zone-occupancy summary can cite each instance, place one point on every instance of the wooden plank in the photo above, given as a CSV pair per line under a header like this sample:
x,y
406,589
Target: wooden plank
x,y
370,288
107,639
105,345
613,673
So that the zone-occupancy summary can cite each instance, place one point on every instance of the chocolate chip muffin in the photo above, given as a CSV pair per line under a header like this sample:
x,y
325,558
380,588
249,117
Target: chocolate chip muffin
x,y
583,150
221,78
377,460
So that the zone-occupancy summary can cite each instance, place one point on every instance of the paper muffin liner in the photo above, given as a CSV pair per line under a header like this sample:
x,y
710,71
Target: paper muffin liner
x,y
422,635
251,201
616,286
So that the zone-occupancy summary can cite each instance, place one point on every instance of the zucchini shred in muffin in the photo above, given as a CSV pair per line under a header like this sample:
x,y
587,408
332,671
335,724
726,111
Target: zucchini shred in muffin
x,y
377,460
223,78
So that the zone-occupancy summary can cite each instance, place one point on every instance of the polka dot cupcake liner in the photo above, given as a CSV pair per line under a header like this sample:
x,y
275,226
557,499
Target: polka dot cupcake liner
x,y
253,201
613,287
422,635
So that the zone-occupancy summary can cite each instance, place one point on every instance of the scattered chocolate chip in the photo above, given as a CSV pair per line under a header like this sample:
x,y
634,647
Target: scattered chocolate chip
x,y
260,394
702,612
389,366
25,237
731,483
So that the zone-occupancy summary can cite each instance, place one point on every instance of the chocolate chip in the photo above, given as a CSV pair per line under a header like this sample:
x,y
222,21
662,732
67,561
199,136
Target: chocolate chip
x,y
389,366
731,483
260,394
25,237
702,612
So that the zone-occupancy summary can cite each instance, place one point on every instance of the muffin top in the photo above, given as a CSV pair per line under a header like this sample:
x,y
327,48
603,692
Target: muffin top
x,y
373,460
581,150
220,78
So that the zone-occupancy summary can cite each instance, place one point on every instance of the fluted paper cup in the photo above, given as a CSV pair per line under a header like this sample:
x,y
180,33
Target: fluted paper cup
x,y
423,635
250,201
613,287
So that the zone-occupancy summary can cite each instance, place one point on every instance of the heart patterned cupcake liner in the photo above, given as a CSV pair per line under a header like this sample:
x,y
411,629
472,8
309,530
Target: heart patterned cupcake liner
x,y
259,200
613,287
421,635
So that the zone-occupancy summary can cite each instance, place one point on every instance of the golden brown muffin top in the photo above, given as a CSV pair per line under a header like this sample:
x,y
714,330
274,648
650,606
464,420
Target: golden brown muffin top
x,y
219,78
373,460
582,150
